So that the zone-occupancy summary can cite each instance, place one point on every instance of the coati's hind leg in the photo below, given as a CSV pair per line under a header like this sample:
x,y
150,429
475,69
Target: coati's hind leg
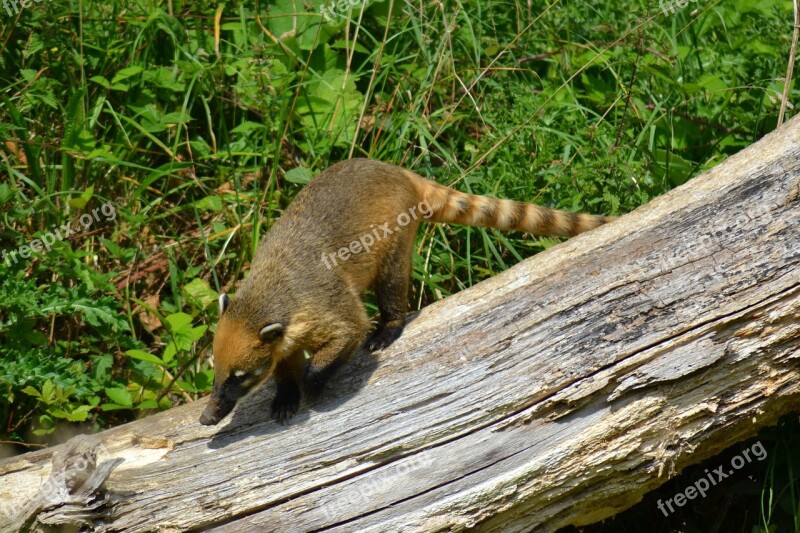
x,y
288,374
391,290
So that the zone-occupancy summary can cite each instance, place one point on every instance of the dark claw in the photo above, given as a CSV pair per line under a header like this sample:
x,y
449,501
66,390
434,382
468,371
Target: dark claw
x,y
286,402
383,337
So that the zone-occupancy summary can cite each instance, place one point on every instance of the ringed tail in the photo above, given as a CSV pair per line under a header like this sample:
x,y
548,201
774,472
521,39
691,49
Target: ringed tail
x,y
455,207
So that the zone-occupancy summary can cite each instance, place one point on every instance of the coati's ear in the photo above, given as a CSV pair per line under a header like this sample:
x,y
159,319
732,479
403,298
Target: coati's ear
x,y
224,302
271,332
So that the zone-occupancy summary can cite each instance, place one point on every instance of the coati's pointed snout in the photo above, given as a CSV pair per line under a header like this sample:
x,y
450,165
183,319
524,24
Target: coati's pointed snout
x,y
220,403
215,411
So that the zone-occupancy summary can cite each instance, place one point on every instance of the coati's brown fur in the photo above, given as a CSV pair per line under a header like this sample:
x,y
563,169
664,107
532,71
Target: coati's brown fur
x,y
301,296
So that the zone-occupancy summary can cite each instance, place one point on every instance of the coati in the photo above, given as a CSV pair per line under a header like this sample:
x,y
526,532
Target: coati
x,y
311,268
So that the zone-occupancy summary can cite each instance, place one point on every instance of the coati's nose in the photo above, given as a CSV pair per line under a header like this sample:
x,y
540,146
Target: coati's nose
x,y
208,418
213,412
220,403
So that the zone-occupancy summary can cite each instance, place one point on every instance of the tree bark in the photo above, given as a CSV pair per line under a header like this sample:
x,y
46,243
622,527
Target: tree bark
x,y
558,392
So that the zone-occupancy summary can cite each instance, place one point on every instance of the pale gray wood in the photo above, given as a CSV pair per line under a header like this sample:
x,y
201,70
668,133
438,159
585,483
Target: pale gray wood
x,y
72,494
558,392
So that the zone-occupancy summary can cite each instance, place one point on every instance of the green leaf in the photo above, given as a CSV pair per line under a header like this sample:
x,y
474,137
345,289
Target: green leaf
x,y
201,292
95,316
81,201
29,75
197,332
209,203
79,414
48,392
100,80
203,380
113,407
120,396
147,404
169,352
248,126
126,73
185,386
613,200
6,193
164,78
178,321
676,168
144,356
118,252
30,391
299,175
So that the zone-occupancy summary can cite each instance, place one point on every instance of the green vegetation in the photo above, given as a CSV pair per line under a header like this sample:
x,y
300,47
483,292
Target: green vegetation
x,y
198,123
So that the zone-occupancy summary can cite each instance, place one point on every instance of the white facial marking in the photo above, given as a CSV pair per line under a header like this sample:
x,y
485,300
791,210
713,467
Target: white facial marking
x,y
239,373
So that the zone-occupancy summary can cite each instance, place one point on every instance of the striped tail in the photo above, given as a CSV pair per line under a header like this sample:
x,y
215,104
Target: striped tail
x,y
454,207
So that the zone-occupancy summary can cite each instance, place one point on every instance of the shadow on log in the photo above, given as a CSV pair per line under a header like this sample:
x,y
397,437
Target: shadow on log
x,y
558,392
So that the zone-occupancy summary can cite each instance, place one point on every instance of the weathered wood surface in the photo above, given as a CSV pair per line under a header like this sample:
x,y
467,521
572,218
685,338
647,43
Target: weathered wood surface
x,y
555,393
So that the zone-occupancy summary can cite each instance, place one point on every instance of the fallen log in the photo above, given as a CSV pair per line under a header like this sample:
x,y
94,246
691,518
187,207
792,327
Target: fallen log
x,y
558,392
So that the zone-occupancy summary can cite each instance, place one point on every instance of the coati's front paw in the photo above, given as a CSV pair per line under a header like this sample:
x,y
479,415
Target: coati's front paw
x,y
286,402
383,337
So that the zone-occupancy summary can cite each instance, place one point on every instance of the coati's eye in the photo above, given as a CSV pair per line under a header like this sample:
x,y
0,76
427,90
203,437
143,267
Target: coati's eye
x,y
271,332
248,379
243,379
